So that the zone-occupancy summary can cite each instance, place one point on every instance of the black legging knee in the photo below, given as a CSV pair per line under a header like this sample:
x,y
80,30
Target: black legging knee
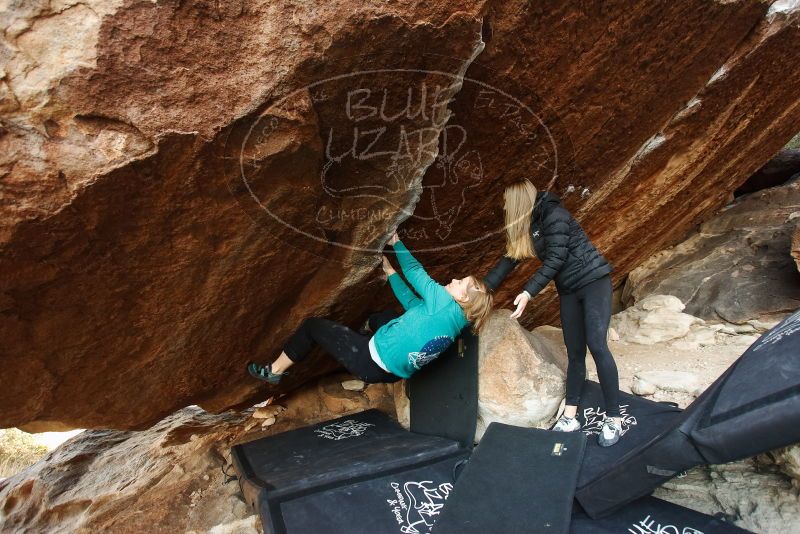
x,y
585,315
348,347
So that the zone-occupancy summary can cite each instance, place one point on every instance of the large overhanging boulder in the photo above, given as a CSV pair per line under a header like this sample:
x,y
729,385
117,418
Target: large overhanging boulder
x,y
184,182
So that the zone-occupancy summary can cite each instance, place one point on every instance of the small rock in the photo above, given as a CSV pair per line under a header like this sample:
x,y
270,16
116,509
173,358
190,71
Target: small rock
x,y
266,412
206,477
612,334
643,388
667,302
788,461
762,326
677,381
269,421
655,319
402,404
353,385
721,328
746,328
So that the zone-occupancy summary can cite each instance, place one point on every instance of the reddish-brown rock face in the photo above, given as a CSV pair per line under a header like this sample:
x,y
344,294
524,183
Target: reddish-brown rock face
x,y
183,182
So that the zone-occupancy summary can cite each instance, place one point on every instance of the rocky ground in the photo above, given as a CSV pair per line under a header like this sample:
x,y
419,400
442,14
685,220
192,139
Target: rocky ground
x,y
168,478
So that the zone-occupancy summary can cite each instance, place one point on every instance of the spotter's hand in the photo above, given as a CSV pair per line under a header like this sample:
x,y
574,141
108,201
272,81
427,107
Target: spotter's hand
x,y
520,302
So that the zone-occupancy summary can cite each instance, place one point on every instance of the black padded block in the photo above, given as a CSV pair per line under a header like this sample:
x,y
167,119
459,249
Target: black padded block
x,y
444,394
752,408
517,480
408,501
642,420
334,453
649,515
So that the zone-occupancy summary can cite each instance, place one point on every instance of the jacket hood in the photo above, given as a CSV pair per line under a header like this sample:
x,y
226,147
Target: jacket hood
x,y
546,199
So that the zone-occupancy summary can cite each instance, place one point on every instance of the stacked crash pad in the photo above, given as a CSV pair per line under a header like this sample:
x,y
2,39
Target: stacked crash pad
x,y
364,473
359,473
384,479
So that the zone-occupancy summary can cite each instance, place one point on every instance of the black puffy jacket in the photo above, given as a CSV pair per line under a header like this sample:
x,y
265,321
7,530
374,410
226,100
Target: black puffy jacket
x,y
559,241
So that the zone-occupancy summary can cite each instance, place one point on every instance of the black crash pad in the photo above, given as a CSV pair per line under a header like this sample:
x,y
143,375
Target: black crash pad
x,y
649,515
517,480
444,394
328,455
752,408
408,501
642,420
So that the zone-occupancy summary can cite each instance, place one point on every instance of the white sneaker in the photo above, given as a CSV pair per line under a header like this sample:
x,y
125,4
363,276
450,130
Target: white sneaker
x,y
609,434
567,424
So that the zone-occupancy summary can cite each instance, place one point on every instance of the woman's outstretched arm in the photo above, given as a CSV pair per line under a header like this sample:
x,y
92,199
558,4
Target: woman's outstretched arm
x,y
403,293
499,272
425,286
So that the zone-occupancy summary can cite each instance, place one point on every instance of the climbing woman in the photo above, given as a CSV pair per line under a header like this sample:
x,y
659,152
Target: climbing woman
x,y
536,221
402,344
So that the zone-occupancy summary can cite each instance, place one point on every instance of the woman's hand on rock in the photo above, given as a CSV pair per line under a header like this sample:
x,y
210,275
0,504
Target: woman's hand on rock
x,y
387,267
520,302
394,239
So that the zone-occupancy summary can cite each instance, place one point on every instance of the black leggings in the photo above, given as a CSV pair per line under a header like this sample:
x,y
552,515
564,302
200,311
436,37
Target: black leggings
x,y
349,348
585,315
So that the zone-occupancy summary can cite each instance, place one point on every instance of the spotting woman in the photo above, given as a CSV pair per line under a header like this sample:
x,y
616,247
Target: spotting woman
x,y
402,343
536,221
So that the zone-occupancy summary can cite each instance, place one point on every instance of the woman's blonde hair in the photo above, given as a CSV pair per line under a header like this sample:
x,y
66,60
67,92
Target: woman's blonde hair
x,y
478,305
520,199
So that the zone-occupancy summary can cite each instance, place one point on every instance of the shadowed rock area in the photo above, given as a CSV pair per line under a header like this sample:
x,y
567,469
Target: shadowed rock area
x,y
777,171
184,182
736,268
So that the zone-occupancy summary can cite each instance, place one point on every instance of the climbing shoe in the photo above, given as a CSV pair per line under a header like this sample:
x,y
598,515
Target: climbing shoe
x,y
567,424
610,433
264,372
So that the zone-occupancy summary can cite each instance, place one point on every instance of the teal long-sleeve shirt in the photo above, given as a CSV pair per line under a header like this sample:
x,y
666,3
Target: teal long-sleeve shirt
x,y
431,322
